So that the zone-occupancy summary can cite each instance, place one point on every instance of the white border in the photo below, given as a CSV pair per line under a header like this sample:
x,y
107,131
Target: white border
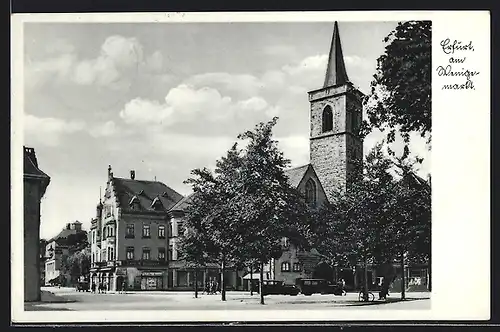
x,y
460,169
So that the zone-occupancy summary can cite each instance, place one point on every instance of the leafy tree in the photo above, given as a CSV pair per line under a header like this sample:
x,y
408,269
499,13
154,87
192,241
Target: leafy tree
x,y
350,229
407,230
268,208
241,212
211,217
401,88
76,264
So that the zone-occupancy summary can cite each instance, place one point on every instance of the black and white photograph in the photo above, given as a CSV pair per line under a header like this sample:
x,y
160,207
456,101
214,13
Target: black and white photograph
x,y
235,168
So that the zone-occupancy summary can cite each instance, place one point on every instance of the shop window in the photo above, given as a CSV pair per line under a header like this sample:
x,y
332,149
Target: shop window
x,y
161,254
182,279
161,231
130,234
285,267
130,253
297,267
146,254
146,231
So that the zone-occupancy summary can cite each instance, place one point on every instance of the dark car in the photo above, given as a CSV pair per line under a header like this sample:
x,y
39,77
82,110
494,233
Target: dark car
x,y
278,287
83,286
317,286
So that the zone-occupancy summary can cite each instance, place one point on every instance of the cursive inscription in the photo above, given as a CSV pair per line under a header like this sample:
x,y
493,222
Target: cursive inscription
x,y
458,77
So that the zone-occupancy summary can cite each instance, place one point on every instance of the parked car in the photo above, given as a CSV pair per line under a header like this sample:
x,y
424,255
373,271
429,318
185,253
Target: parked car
x,y
317,286
83,286
278,287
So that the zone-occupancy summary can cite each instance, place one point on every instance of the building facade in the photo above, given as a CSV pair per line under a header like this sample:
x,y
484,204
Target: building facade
x,y
130,234
63,244
181,276
35,185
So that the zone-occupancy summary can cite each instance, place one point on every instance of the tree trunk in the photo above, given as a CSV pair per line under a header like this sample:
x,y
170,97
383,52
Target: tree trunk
x,y
261,286
402,258
366,281
251,280
195,283
222,284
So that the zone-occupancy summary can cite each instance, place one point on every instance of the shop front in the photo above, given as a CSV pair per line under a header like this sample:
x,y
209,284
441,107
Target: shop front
x,y
151,280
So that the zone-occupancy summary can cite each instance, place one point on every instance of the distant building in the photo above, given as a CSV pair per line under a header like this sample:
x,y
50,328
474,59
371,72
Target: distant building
x,y
64,243
35,184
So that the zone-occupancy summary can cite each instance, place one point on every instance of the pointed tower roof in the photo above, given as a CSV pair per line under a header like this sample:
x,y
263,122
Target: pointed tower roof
x,y
335,71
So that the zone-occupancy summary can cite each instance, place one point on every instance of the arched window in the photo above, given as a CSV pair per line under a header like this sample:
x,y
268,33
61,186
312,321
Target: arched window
x,y
327,119
311,192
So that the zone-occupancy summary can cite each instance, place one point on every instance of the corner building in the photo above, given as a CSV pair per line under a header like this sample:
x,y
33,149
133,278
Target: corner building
x,y
129,236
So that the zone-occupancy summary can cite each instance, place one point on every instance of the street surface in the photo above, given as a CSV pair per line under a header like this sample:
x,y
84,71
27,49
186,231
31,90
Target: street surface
x,y
70,299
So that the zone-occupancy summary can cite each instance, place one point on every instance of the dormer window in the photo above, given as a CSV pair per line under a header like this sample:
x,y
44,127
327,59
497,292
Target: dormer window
x,y
157,204
134,203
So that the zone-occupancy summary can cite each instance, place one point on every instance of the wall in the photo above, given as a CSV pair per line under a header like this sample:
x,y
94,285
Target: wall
x,y
138,242
31,240
291,257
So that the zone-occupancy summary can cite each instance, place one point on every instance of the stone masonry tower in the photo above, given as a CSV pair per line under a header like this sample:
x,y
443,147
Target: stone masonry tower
x,y
336,115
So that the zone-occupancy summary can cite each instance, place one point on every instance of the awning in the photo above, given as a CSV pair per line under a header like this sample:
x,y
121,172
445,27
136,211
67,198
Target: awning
x,y
255,276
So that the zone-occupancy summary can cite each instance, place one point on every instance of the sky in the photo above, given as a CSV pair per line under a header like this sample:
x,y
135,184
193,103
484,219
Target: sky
x,y
165,98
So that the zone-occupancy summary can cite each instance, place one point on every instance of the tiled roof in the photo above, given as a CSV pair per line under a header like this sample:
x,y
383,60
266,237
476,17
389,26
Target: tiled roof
x,y
296,174
183,203
145,193
65,233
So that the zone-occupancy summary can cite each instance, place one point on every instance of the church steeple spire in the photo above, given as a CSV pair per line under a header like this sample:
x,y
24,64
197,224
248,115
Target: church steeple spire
x,y
335,71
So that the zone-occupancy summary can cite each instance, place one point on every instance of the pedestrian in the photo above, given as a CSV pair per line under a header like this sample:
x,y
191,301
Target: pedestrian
x,y
342,286
93,288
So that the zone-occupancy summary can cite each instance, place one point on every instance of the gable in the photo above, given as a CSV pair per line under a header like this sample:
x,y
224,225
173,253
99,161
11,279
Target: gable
x,y
310,174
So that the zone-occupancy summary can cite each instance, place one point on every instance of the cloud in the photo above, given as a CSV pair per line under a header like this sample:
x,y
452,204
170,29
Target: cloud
x,y
114,67
154,62
352,61
295,148
185,103
49,131
311,63
108,128
245,84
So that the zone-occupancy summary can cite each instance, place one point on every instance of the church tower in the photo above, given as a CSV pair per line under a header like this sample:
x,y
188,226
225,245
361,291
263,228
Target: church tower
x,y
336,115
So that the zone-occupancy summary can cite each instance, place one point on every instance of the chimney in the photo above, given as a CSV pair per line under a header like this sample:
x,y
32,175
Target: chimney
x,y
132,174
77,226
110,173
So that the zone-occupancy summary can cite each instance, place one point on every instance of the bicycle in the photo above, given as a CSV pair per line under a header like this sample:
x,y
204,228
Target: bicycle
x,y
361,296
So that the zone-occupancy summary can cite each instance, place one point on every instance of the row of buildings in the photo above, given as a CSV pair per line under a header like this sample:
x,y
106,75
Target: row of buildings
x,y
134,237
